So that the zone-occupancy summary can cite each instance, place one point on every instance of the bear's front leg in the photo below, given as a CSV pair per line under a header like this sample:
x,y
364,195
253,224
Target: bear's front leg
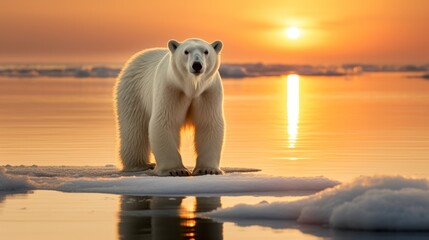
x,y
208,144
209,133
164,140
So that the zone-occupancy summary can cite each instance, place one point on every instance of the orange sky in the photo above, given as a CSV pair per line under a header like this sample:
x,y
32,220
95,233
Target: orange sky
x,y
333,31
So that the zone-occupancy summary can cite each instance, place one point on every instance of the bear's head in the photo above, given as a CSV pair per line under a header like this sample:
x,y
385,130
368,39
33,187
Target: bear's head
x,y
195,58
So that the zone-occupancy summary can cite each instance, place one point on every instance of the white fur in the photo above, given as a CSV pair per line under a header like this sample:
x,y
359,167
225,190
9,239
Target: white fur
x,y
157,93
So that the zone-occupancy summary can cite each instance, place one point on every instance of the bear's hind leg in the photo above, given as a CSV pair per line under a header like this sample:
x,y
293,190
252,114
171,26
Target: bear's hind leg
x,y
134,145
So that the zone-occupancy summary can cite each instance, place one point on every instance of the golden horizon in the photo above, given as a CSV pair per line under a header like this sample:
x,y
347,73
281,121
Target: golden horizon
x,y
331,32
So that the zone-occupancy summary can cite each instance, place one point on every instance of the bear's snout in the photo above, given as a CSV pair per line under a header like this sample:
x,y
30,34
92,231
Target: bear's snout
x,y
197,66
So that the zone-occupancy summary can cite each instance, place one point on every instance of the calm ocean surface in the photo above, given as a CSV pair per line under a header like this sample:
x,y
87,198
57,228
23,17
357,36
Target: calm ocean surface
x,y
291,126
335,127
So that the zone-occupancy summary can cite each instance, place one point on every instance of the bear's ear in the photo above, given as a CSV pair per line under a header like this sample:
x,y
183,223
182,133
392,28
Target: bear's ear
x,y
173,45
217,45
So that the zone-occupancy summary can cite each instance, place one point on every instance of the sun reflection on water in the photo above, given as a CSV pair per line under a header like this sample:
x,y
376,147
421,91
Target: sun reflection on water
x,y
292,109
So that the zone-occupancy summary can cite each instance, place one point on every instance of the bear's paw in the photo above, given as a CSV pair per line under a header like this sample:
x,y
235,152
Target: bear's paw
x,y
180,172
206,171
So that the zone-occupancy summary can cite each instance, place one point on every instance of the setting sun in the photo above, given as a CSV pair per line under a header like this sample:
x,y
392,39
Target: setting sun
x,y
293,32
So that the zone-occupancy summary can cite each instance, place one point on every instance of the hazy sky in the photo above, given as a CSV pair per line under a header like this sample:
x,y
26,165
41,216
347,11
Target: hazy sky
x,y
333,31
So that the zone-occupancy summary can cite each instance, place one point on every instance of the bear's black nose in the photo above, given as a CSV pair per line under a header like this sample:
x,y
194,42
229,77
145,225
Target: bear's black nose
x,y
197,66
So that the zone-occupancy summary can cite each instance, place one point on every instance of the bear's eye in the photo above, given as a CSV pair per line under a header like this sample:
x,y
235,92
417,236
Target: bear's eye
x,y
206,52
186,52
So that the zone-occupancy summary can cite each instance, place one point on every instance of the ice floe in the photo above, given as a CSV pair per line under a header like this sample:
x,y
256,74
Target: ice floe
x,y
382,203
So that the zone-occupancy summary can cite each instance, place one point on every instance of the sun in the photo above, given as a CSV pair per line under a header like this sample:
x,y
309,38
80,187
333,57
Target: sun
x,y
293,32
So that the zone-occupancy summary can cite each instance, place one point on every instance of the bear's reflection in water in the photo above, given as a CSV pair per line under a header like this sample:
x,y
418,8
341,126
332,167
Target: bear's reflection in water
x,y
143,217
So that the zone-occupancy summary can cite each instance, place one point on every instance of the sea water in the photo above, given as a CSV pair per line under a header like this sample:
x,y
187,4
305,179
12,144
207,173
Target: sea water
x,y
289,126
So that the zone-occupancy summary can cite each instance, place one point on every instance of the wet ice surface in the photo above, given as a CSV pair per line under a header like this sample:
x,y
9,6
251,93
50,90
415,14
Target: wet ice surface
x,y
108,171
236,181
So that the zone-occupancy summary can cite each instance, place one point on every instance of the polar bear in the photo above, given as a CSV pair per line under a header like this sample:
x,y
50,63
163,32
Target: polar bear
x,y
161,90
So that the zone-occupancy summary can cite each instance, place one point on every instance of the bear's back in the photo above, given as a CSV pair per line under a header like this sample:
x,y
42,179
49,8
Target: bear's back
x,y
136,79
144,63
